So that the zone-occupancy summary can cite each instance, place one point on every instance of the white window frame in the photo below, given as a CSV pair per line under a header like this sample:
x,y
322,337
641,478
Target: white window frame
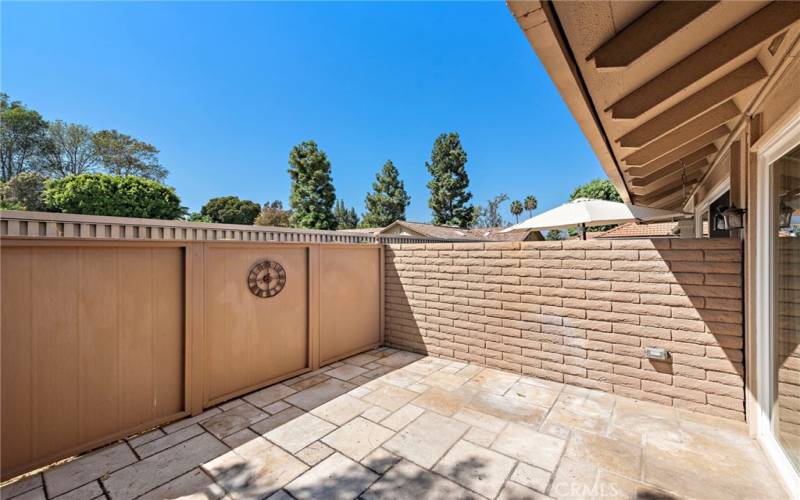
x,y
771,150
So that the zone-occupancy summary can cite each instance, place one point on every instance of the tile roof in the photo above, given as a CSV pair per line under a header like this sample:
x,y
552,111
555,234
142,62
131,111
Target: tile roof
x,y
636,230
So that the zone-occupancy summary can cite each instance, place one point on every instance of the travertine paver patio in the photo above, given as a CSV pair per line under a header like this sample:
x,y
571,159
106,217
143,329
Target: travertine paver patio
x,y
392,424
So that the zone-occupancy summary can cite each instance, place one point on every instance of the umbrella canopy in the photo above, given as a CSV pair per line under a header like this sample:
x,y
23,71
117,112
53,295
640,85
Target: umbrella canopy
x,y
587,212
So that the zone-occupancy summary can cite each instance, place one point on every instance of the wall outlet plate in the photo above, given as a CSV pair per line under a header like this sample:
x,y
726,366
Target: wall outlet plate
x,y
658,353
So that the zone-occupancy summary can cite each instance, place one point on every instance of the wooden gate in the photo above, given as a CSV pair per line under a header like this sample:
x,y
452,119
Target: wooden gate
x,y
92,346
252,341
103,339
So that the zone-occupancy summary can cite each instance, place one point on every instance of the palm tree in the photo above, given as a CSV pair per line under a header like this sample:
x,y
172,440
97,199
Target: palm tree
x,y
531,204
516,209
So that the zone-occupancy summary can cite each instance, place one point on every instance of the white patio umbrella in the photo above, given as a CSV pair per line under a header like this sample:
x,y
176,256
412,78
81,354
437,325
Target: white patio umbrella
x,y
585,212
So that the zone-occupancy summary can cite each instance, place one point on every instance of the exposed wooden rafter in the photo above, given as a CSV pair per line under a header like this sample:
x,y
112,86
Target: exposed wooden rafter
x,y
662,196
680,180
703,123
762,25
646,32
664,176
679,155
712,95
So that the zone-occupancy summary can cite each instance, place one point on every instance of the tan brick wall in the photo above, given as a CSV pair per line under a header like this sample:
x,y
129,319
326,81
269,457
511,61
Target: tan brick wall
x,y
580,312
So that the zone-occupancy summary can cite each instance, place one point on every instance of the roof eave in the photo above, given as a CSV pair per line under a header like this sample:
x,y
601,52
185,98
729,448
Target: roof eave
x,y
540,24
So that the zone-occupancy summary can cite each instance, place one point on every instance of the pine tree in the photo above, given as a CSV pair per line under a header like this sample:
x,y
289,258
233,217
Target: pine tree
x,y
449,199
530,204
516,209
346,218
312,196
388,201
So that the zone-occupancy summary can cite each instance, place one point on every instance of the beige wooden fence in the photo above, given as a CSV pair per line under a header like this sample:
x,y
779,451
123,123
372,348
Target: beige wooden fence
x,y
110,327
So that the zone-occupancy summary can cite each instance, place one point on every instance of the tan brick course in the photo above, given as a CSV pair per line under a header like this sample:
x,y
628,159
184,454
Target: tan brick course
x,y
580,312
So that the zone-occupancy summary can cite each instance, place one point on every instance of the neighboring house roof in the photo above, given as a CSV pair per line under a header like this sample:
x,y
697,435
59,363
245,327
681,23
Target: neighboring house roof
x,y
495,234
365,230
443,232
429,230
636,230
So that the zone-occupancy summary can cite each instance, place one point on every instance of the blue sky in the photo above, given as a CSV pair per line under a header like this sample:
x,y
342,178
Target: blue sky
x,y
224,90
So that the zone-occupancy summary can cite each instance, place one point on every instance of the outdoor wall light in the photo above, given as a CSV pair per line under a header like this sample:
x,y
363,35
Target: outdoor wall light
x,y
733,218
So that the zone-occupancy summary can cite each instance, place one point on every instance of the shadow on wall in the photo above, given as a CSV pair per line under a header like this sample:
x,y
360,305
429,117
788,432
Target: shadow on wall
x,y
581,313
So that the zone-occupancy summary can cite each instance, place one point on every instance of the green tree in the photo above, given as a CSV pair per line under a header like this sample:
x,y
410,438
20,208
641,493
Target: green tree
x,y
388,201
449,199
23,134
198,217
122,196
516,209
490,215
273,214
346,218
312,195
554,234
121,154
23,192
69,150
231,210
598,189
530,204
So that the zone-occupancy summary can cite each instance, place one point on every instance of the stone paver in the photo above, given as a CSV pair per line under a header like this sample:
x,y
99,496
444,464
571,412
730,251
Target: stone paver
x,y
91,490
380,460
85,469
336,477
319,394
531,477
341,409
145,437
269,395
406,481
276,420
234,420
168,441
296,434
476,468
426,439
411,427
194,485
254,470
357,438
390,397
314,453
158,469
346,372
529,446
402,417
20,486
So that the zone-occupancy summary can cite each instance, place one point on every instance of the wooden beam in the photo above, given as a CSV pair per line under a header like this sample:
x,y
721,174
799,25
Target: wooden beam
x,y
646,32
691,178
715,93
663,195
679,154
700,125
754,30
666,175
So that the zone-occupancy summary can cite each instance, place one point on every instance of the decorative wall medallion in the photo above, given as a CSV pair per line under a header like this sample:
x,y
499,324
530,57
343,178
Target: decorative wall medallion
x,y
266,278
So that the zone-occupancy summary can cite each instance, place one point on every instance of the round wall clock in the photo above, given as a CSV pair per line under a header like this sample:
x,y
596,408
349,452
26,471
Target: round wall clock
x,y
266,278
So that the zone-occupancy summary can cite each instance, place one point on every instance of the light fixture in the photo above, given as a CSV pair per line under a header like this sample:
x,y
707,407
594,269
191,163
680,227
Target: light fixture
x,y
733,218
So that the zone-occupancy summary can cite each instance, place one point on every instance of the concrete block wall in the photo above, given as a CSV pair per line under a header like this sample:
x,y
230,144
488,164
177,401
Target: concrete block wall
x,y
580,312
